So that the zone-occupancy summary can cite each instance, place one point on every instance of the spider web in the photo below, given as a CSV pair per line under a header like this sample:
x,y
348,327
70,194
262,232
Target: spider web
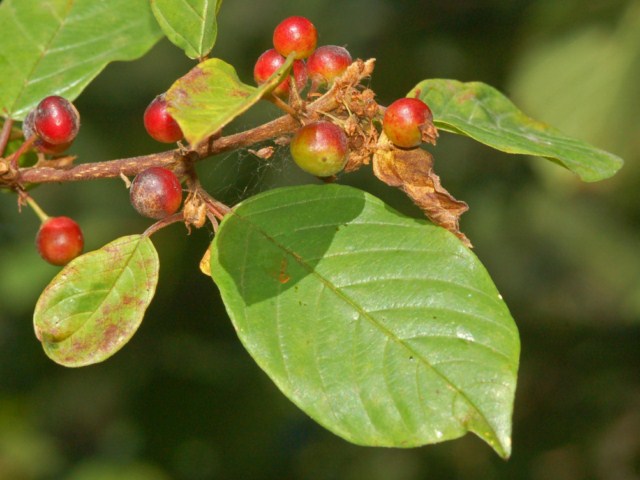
x,y
238,175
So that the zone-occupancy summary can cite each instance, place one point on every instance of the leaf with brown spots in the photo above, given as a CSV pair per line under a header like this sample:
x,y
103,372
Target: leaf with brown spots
x,y
412,172
92,308
211,95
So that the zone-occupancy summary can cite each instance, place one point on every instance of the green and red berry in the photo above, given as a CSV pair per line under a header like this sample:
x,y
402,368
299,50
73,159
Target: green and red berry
x,y
320,148
156,193
295,34
59,240
327,63
159,123
405,122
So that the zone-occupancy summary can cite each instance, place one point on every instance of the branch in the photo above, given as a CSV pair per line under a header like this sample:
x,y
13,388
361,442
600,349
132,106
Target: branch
x,y
173,158
180,159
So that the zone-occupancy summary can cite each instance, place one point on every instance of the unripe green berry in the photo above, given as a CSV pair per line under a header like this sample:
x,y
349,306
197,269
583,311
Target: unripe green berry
x,y
320,148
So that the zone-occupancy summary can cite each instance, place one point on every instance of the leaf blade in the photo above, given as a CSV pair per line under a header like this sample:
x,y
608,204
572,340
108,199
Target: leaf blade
x,y
59,46
190,24
95,304
481,112
211,95
367,320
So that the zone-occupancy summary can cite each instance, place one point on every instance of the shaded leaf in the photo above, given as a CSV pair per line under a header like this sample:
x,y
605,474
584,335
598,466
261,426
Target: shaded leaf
x,y
412,171
58,46
484,114
189,24
384,329
96,303
211,95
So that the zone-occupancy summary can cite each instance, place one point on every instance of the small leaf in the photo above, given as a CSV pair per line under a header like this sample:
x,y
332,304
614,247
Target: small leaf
x,y
384,329
211,95
58,46
92,308
189,24
411,170
484,114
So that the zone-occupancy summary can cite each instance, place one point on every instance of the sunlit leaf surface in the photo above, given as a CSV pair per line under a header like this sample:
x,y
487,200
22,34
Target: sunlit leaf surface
x,y
211,95
58,46
481,112
384,329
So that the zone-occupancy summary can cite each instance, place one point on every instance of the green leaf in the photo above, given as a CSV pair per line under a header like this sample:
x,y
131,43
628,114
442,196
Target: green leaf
x,y
484,114
190,24
92,308
58,46
384,329
211,95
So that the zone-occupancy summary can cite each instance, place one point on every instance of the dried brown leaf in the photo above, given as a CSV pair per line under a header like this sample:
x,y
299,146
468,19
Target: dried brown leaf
x,y
412,172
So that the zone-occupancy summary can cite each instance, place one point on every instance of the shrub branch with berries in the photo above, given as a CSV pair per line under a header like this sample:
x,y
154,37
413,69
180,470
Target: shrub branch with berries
x,y
387,330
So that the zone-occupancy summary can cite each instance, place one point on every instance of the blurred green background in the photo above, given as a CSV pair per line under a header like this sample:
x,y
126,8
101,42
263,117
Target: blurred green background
x,y
183,400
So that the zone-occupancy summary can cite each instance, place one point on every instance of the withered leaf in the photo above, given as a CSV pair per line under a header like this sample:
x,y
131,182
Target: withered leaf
x,y
412,172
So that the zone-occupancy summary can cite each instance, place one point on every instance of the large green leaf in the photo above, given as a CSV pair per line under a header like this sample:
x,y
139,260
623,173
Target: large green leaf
x,y
189,24
484,114
58,46
384,329
211,95
95,304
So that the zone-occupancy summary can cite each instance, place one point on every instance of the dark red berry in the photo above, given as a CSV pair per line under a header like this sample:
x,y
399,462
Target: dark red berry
x,y
56,121
405,122
59,240
320,148
327,63
295,34
269,62
159,123
156,192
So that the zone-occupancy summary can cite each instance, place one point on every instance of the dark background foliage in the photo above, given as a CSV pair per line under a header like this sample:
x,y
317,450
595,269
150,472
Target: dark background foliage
x,y
183,400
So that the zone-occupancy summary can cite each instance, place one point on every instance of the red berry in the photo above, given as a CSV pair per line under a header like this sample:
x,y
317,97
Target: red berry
x,y
320,148
28,130
405,121
159,123
295,34
59,240
56,121
327,63
156,192
269,62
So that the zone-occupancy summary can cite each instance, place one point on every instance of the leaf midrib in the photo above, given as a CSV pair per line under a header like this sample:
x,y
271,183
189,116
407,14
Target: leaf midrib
x,y
388,333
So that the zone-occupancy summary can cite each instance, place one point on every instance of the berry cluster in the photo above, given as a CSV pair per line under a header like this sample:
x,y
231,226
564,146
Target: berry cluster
x,y
321,146
297,36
